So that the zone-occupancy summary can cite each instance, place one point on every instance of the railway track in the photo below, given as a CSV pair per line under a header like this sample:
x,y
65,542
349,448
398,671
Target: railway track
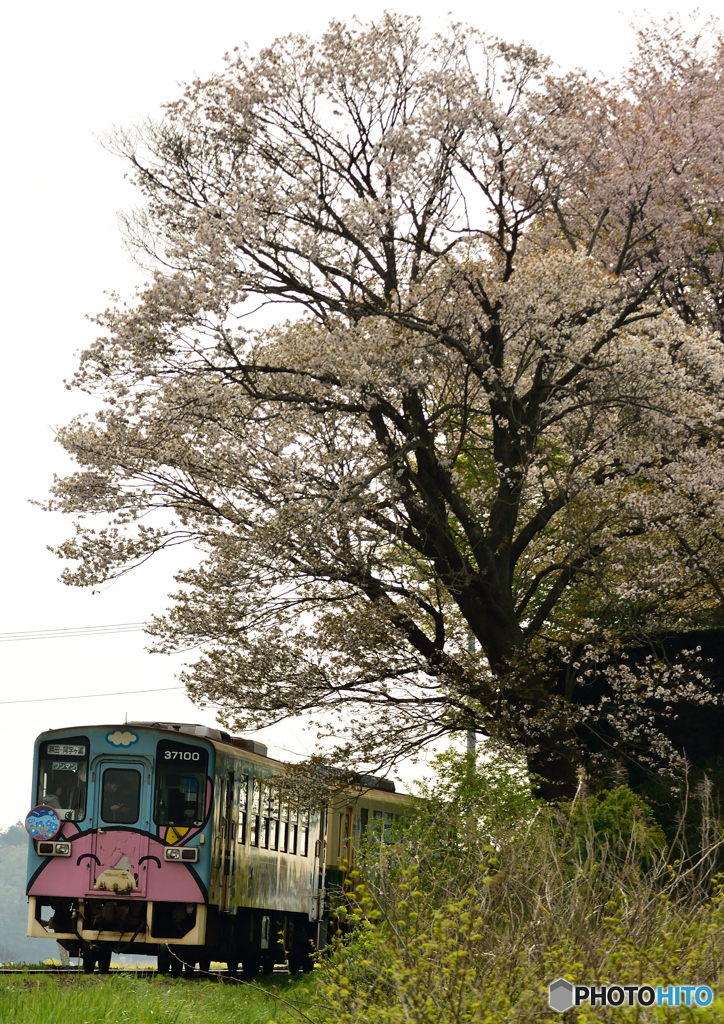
x,y
74,970
141,972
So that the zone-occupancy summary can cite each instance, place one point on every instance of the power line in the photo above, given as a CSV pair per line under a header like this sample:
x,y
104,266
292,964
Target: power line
x,y
55,634
89,696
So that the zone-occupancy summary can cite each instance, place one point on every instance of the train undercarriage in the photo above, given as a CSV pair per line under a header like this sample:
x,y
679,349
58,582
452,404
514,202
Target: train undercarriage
x,y
182,936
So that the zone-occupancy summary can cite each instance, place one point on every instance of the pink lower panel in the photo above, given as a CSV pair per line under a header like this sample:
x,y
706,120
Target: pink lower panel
x,y
155,878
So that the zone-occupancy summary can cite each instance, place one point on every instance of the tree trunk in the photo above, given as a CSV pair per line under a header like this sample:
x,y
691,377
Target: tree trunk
x,y
553,772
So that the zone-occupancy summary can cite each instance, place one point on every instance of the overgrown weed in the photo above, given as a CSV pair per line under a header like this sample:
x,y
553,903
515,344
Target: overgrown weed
x,y
484,895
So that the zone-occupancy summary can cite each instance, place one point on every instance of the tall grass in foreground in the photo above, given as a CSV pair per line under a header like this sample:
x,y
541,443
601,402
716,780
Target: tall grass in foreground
x,y
484,896
124,1000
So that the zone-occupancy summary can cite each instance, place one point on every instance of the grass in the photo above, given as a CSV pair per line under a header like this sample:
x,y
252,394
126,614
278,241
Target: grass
x,y
79,999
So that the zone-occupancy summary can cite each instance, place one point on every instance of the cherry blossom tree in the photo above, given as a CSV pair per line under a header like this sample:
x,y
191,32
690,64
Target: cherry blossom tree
x,y
429,370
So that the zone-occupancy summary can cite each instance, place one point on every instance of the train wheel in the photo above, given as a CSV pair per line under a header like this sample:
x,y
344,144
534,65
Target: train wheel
x,y
251,966
104,961
164,962
267,965
89,960
301,962
177,966
205,965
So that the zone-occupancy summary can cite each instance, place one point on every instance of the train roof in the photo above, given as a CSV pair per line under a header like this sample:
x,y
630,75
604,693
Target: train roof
x,y
207,732
221,736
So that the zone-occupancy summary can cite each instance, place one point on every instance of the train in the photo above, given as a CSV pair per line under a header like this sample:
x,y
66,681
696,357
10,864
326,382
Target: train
x,y
183,842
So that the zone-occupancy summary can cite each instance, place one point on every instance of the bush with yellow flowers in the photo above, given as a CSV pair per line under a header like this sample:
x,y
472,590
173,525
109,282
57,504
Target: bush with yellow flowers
x,y
482,895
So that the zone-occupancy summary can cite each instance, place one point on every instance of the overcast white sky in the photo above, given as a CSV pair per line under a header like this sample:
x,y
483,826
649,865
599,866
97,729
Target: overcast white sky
x,y
68,73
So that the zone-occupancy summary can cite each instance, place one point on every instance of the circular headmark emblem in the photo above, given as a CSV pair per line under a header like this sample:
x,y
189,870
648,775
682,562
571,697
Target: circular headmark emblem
x,y
42,822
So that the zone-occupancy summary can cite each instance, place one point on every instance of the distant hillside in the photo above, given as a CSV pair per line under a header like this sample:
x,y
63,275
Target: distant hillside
x,y
13,902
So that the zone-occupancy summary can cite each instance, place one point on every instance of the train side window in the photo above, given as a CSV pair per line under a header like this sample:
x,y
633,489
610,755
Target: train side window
x,y
293,827
304,829
180,797
283,826
255,824
63,777
121,795
243,800
264,834
264,819
382,823
273,818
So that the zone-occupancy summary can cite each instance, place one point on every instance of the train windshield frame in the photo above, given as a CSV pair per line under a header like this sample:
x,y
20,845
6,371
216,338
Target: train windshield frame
x,y
62,780
180,786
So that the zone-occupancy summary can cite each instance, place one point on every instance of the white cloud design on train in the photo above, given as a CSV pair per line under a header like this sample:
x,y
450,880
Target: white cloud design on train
x,y
121,739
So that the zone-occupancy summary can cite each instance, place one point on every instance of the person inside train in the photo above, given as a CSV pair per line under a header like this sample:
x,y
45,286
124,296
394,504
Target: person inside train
x,y
176,801
61,790
120,795
53,796
181,800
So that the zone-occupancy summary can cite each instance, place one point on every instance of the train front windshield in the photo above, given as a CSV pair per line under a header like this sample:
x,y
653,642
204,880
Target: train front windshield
x,y
63,777
180,784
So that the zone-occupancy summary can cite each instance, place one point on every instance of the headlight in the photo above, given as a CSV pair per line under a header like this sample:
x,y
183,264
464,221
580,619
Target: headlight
x,y
48,849
189,854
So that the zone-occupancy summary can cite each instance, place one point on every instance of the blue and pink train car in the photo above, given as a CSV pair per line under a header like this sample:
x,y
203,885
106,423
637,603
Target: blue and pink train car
x,y
179,841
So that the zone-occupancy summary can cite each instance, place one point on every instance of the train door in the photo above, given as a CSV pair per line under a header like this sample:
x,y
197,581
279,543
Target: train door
x,y
224,862
120,841
316,903
345,839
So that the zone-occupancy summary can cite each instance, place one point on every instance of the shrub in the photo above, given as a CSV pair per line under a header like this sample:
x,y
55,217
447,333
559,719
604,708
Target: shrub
x,y
483,895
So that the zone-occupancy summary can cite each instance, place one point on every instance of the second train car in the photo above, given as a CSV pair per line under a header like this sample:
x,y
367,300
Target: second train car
x,y
175,840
